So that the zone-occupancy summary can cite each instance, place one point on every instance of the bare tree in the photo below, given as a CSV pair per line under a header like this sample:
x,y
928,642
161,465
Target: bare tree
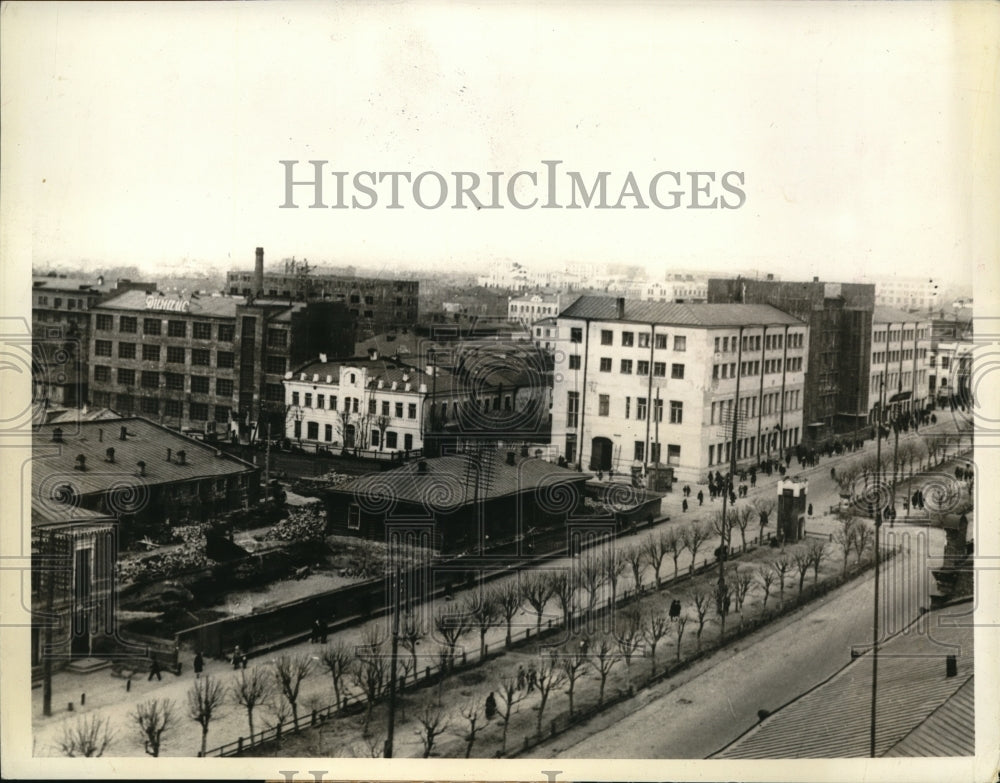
x,y
702,601
370,673
591,575
845,536
88,737
572,659
603,657
765,507
628,638
635,555
509,696
484,613
680,624
781,565
722,525
382,424
290,671
674,542
507,596
337,659
613,564
250,689
204,699
473,713
802,560
740,583
864,538
281,711
655,551
537,589
550,675
564,589
432,725
655,627
742,517
765,575
410,634
154,719
451,626
694,536
722,605
816,552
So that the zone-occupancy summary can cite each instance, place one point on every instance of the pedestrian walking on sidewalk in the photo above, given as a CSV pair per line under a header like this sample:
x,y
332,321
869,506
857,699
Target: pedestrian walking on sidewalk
x,y
491,706
520,678
236,657
199,664
701,497
321,630
532,678
684,505
154,670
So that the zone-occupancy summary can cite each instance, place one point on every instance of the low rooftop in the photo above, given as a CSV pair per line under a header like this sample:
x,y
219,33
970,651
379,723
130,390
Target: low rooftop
x,y
605,308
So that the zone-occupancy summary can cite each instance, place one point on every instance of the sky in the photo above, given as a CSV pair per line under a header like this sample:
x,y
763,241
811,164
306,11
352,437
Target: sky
x,y
151,134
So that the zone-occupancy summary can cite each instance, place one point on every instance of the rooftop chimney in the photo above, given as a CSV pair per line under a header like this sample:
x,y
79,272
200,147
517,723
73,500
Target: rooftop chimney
x,y
110,455
258,273
322,358
373,353
81,462
142,467
620,308
181,457
57,435
123,435
422,466
169,453
816,279
770,276
951,666
510,458
100,436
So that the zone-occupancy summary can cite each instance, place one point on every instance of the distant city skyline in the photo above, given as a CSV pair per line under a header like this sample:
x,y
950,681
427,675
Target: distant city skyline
x,y
177,156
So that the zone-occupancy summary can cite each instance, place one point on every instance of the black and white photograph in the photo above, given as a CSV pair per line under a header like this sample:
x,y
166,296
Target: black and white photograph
x,y
529,391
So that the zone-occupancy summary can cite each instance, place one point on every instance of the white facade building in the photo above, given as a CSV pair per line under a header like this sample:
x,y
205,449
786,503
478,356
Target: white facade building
x,y
907,293
368,404
533,307
949,366
638,383
899,356
693,291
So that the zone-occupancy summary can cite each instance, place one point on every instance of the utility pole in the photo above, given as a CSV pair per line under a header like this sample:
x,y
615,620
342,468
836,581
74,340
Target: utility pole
x,y
50,600
878,533
390,730
267,464
724,543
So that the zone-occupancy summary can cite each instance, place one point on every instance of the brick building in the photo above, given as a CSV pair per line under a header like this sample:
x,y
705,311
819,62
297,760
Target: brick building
x,y
60,326
899,356
208,364
376,304
839,316
646,383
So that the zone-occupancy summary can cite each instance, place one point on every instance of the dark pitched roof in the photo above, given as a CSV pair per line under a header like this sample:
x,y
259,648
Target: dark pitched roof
x,y
604,308
54,463
444,484
949,731
58,514
833,719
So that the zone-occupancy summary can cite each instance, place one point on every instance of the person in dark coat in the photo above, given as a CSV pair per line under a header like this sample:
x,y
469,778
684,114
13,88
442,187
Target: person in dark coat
x,y
701,497
321,630
199,665
684,505
236,657
154,670
491,706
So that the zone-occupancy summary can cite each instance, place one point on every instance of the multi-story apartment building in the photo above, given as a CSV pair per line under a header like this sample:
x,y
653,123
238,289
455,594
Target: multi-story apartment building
x,y
839,316
213,363
638,383
907,293
899,359
60,325
949,370
377,304
532,307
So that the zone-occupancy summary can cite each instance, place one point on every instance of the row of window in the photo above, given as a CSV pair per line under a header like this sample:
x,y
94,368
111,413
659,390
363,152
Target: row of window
x,y
628,339
723,371
307,400
57,302
176,354
879,357
879,336
641,367
171,409
892,380
391,437
151,379
641,409
639,452
720,453
751,405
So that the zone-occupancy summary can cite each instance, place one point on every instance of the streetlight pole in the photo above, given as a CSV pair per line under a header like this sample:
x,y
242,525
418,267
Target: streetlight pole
x,y
390,729
878,526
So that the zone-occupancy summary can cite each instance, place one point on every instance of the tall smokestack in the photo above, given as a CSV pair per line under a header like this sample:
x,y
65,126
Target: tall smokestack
x,y
258,273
